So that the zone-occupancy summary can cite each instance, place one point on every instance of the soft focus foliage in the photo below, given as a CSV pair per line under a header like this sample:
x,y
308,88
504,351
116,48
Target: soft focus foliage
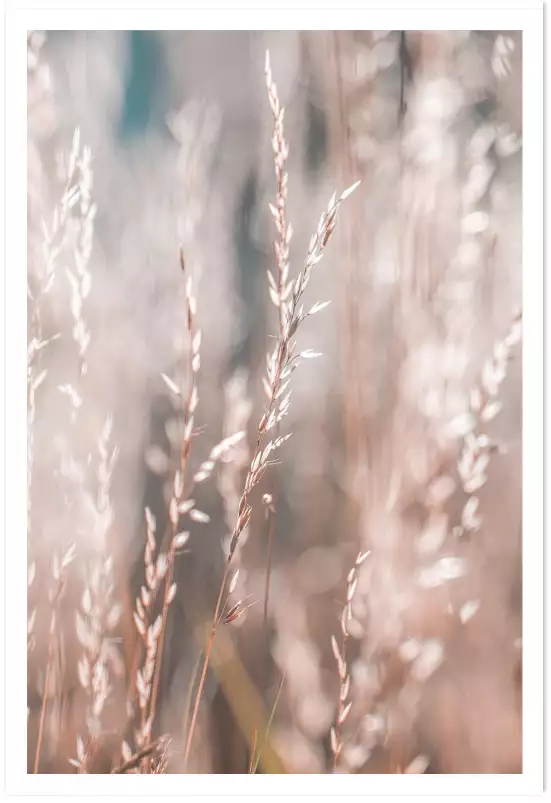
x,y
366,529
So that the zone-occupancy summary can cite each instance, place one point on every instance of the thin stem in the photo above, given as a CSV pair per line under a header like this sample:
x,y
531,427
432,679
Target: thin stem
x,y
206,663
253,752
354,405
271,515
256,761
51,642
271,528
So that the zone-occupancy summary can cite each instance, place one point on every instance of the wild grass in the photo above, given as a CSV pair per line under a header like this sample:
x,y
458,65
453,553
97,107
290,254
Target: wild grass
x,y
227,638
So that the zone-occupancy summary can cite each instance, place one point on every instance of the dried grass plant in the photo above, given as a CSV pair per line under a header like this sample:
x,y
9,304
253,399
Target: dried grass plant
x,y
220,580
